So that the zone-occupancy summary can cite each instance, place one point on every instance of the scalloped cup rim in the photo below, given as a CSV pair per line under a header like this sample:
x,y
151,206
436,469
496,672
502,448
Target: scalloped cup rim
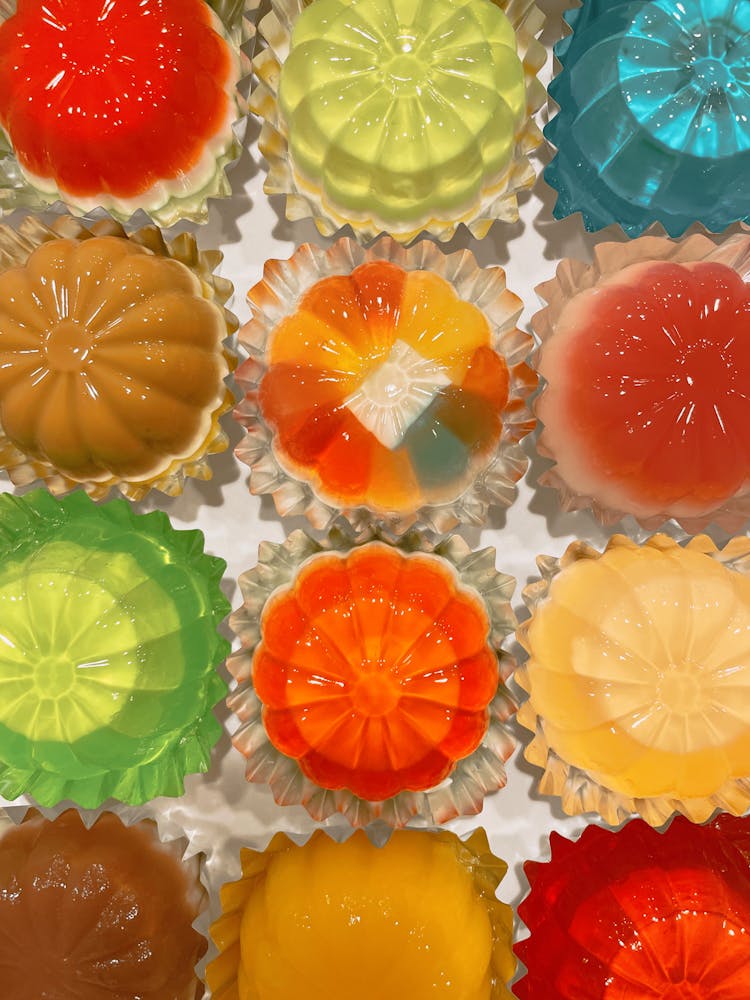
x,y
573,277
237,19
577,790
483,287
17,243
472,778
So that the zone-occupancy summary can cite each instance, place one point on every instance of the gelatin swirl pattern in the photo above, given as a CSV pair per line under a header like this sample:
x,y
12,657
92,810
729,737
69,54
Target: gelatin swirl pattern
x,y
654,121
109,649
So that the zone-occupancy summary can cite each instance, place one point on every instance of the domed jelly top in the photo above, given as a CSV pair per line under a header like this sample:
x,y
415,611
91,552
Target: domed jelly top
x,y
646,407
96,913
384,390
109,646
375,671
402,110
639,671
655,114
111,361
111,101
640,914
415,918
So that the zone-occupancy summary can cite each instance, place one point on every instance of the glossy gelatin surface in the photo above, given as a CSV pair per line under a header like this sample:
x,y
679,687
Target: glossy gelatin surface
x,y
402,111
655,114
646,408
639,673
416,918
111,363
97,913
640,915
375,671
112,101
109,647
383,389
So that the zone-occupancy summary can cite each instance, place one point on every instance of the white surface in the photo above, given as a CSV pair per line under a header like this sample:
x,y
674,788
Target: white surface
x,y
220,811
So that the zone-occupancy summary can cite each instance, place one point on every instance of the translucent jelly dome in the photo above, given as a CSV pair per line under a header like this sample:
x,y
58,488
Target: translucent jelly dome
x,y
384,390
639,914
415,918
375,672
109,108
654,120
402,112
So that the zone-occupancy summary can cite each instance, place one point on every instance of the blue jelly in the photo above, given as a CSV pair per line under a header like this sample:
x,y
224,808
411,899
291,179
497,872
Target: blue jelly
x,y
654,120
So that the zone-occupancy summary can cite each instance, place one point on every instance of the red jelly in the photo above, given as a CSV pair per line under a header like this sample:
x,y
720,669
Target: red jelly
x,y
641,915
647,408
113,96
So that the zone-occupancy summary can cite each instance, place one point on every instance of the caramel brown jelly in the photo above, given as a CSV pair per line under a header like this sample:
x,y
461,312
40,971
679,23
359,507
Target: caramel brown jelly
x,y
111,361
96,914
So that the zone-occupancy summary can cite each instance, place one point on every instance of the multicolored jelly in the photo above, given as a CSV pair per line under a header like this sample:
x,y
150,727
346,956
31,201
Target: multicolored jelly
x,y
383,389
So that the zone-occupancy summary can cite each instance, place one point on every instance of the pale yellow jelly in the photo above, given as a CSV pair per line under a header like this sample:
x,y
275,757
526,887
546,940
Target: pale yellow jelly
x,y
640,669
354,922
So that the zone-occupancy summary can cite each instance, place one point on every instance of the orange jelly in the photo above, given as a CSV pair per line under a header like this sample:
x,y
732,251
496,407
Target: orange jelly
x,y
383,390
112,96
96,914
375,671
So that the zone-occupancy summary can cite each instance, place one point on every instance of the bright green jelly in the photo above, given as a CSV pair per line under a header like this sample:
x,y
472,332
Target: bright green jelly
x,y
108,649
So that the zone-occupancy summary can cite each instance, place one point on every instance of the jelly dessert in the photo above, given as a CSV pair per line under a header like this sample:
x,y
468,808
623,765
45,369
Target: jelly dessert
x,y
646,362
654,120
639,914
127,104
367,678
109,647
111,367
639,678
399,117
383,389
97,913
416,918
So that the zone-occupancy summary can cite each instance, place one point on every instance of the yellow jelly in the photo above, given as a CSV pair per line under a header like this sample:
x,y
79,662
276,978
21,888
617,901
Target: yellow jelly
x,y
417,918
639,673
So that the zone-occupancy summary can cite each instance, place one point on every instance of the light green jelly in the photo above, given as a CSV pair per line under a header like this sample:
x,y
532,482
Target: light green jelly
x,y
402,109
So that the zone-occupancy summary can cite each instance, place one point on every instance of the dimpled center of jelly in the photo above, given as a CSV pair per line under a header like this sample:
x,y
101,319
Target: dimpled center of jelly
x,y
67,651
711,74
685,78
680,690
374,695
68,346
